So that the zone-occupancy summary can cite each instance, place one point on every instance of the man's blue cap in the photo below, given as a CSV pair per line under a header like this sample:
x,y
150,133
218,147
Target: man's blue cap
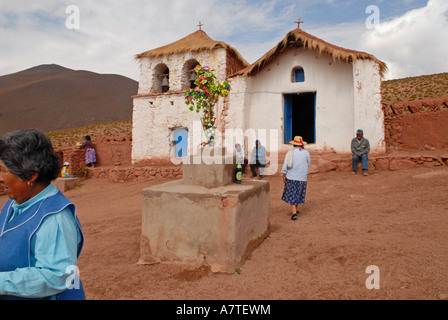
x,y
359,131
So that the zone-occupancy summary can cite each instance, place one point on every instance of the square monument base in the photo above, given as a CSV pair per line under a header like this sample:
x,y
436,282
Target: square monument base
x,y
195,225
65,184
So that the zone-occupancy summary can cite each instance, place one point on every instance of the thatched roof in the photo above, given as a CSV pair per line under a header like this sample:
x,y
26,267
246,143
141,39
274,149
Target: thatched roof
x,y
298,38
195,42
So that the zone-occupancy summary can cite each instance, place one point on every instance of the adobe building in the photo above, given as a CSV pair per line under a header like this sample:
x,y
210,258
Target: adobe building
x,y
303,86
160,116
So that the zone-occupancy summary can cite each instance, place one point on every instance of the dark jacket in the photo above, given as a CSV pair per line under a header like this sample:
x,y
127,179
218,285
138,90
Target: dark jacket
x,y
360,147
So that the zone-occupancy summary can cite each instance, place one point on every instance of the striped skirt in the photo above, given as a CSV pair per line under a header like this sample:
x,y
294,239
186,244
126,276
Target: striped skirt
x,y
294,192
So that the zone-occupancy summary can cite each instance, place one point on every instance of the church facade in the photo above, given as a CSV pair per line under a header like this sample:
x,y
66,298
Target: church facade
x,y
162,123
303,86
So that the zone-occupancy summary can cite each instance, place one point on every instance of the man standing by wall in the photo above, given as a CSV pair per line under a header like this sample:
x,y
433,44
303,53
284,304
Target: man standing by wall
x,y
360,150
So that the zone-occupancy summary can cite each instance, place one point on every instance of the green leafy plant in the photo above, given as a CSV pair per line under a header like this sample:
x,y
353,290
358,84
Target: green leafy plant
x,y
204,96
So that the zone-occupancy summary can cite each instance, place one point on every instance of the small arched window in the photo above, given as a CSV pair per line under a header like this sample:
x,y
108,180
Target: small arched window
x,y
161,80
298,74
189,75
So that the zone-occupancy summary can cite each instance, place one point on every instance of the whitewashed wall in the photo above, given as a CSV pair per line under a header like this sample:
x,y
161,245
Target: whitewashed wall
x,y
368,112
332,82
155,116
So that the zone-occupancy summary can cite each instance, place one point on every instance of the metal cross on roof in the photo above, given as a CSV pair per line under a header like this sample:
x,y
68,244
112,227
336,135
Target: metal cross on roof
x,y
200,25
298,23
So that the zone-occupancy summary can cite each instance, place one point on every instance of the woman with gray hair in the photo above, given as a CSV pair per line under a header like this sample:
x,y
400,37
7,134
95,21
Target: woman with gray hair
x,y
40,235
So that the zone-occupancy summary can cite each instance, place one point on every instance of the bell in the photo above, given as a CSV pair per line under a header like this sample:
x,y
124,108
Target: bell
x,y
193,76
165,82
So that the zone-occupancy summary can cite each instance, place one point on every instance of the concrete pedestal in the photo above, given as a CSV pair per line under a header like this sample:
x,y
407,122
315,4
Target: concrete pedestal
x,y
212,169
198,225
65,184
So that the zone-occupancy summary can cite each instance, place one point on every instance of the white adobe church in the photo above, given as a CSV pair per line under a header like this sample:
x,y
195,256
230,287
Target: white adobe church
x,y
303,86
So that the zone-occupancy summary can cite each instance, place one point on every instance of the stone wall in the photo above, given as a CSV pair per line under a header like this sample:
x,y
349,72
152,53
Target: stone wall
x,y
381,163
114,162
113,150
131,173
110,151
417,125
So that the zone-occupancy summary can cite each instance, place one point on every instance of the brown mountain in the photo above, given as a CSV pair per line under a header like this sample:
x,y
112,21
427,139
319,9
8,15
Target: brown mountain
x,y
51,97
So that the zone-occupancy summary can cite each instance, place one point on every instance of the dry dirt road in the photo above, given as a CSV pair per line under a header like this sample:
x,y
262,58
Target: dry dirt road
x,y
395,220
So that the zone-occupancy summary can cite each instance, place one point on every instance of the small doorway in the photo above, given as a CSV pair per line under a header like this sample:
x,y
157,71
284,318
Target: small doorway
x,y
300,116
181,142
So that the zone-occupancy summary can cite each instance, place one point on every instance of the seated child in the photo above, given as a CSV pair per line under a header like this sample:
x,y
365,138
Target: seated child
x,y
65,172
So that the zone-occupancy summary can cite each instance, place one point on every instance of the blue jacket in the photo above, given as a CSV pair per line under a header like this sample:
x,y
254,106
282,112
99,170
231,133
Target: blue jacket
x,y
15,238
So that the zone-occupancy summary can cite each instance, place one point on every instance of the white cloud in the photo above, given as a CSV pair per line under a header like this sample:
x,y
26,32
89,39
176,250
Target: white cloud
x,y
414,43
112,32
345,35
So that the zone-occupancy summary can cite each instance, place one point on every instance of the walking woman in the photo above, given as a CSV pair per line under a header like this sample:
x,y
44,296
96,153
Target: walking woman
x,y
295,174
40,235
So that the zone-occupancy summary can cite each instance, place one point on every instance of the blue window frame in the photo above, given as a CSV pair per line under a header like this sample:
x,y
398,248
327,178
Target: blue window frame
x,y
299,75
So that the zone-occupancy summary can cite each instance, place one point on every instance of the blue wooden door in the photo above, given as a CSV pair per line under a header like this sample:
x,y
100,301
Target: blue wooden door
x,y
181,143
288,119
300,116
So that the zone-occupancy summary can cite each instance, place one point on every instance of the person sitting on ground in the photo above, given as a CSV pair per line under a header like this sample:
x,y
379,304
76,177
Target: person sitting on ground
x,y
360,149
65,171
258,159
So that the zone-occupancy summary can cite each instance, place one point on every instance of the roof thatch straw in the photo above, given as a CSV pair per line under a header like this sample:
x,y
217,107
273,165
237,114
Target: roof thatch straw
x,y
195,42
298,38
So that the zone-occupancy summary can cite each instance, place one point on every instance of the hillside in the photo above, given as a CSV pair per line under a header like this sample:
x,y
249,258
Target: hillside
x,y
415,88
69,137
51,97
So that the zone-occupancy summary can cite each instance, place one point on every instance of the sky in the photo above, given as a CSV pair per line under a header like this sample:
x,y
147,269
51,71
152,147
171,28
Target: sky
x,y
104,36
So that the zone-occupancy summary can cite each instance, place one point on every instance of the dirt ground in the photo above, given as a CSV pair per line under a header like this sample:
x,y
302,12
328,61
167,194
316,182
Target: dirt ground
x,y
395,220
